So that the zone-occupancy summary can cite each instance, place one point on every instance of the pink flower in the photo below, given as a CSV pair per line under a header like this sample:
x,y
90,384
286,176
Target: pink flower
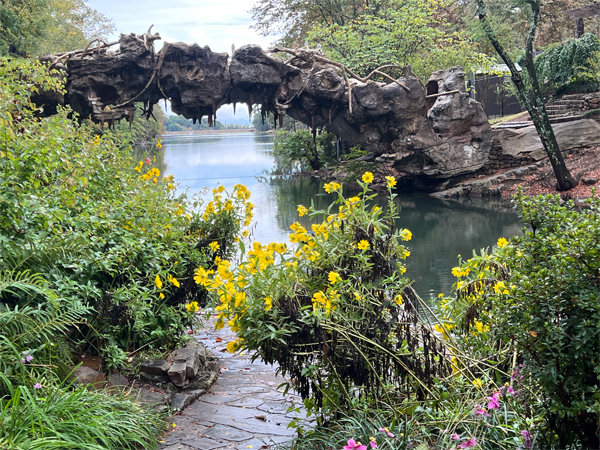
x,y
494,404
373,442
526,439
37,386
468,444
511,391
455,437
480,412
29,358
386,431
353,445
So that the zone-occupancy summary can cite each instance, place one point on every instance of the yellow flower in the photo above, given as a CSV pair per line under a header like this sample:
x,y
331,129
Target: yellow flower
x,y
391,181
158,282
214,246
302,210
356,295
479,326
193,306
97,140
406,235
334,277
398,300
331,187
458,272
158,144
173,280
367,177
231,347
477,383
162,296
268,303
500,288
502,242
240,297
363,245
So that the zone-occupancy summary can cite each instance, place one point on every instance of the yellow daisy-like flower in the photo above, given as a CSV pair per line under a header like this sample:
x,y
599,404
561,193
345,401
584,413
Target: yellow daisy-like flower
x,y
162,296
391,181
268,303
502,242
363,245
406,235
193,306
158,144
231,347
214,246
158,282
398,300
173,280
367,177
302,211
334,277
331,187
477,383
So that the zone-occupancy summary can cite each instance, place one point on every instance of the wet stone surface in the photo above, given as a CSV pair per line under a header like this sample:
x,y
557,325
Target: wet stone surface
x,y
243,410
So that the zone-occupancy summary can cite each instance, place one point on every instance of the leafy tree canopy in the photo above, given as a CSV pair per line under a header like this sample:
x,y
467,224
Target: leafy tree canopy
x,y
415,32
50,26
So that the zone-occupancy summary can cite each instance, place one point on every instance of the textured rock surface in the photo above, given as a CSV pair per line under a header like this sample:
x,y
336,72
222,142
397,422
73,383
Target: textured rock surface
x,y
570,135
429,140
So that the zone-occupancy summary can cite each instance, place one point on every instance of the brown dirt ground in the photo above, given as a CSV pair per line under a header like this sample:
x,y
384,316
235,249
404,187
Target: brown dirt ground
x,y
584,163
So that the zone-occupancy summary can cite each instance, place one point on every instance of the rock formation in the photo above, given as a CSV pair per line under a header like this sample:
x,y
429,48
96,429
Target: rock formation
x,y
432,135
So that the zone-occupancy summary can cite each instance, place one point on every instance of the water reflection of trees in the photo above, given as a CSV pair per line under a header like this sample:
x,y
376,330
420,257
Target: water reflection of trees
x,y
194,139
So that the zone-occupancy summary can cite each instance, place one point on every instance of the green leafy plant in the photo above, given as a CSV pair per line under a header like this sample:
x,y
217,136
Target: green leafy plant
x,y
335,313
570,66
49,418
540,296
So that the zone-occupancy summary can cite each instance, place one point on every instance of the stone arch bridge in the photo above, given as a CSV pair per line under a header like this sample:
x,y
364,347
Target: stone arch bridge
x,y
430,134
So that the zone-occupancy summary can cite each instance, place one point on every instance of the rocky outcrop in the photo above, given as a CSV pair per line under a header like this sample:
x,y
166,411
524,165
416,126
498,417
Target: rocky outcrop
x,y
431,135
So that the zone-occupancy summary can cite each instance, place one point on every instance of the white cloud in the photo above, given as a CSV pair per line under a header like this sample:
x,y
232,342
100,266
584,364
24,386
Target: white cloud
x,y
217,24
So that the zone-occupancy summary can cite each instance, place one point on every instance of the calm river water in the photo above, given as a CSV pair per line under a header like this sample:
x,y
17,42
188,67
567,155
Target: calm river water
x,y
441,229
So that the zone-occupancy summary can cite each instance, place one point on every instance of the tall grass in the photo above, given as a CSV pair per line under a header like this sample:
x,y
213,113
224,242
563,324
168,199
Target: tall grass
x,y
56,418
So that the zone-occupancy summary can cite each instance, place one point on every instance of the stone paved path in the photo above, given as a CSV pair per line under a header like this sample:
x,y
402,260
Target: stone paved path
x,y
243,410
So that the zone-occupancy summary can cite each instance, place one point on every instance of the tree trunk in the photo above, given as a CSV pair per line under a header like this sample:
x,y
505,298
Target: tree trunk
x,y
535,106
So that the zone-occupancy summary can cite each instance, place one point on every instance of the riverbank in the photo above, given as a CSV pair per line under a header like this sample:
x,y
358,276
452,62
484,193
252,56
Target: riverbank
x,y
533,179
209,131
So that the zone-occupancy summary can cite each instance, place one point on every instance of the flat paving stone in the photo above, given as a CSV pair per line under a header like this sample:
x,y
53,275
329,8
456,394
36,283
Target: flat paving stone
x,y
243,410
275,407
201,443
224,432
254,444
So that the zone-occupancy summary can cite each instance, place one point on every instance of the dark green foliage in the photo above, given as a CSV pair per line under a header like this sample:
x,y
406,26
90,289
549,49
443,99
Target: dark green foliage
x,y
571,66
312,152
74,208
180,123
557,297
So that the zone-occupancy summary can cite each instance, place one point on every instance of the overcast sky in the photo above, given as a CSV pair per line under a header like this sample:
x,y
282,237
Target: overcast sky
x,y
216,23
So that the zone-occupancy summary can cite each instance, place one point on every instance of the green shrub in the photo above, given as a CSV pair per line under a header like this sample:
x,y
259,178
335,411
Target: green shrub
x,y
100,229
300,146
335,313
540,296
571,66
